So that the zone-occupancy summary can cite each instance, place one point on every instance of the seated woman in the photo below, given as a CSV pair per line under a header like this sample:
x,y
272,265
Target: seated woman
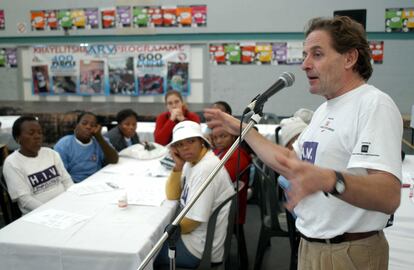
x,y
222,106
86,151
166,121
194,161
34,174
222,142
124,134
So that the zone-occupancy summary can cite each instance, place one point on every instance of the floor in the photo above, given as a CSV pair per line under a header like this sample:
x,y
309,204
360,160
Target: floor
x,y
278,254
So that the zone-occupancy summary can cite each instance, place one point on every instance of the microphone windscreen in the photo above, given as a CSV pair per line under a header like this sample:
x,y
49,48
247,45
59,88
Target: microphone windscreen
x,y
288,77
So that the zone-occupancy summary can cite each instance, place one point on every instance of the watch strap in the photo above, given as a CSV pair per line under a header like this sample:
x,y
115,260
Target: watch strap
x,y
338,177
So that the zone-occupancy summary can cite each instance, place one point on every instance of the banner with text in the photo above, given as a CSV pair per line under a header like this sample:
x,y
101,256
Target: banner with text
x,y
110,69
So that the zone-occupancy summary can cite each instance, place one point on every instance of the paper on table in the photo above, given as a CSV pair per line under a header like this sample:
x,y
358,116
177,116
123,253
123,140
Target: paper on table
x,y
56,219
92,188
158,171
150,191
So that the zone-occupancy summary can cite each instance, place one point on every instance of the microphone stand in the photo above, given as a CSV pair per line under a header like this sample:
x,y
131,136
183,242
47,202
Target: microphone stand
x,y
171,229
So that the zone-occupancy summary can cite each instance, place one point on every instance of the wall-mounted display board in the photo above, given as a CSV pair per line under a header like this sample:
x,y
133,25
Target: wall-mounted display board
x,y
110,69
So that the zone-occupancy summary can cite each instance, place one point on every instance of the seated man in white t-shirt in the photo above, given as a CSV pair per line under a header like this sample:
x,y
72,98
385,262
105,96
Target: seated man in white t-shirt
x,y
34,174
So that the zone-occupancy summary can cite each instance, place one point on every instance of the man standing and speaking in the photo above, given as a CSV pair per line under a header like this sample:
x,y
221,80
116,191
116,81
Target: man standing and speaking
x,y
345,168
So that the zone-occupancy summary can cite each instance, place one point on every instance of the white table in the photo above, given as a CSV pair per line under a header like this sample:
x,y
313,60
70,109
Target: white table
x,y
400,236
145,131
113,238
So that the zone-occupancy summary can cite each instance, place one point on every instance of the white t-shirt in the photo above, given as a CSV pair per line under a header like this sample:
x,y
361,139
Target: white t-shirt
x,y
359,130
43,177
218,190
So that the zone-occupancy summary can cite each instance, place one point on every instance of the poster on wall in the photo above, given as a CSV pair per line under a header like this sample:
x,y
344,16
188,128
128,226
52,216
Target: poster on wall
x,y
2,20
109,69
233,53
123,16
65,19
92,76
51,20
161,68
108,16
169,16
263,53
40,75
140,16
377,51
247,52
178,77
38,20
78,19
399,19
63,71
121,76
279,53
294,52
199,15
92,18
155,14
11,57
2,57
217,55
184,16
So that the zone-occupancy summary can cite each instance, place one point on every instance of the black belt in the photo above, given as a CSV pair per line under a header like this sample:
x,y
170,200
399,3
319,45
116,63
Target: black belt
x,y
346,237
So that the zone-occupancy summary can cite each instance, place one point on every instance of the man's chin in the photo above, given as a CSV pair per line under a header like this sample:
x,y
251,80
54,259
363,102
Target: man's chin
x,y
313,90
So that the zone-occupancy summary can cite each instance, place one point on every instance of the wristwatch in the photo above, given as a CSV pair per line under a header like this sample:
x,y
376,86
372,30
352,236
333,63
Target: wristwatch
x,y
339,187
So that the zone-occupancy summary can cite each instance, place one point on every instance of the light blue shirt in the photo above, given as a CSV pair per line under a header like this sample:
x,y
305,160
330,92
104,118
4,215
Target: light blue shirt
x,y
80,160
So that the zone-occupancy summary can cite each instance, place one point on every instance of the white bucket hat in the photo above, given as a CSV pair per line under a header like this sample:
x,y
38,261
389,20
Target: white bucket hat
x,y
290,127
304,114
185,130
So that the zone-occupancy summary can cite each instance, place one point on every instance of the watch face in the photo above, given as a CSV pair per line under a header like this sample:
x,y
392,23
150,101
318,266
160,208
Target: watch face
x,y
340,186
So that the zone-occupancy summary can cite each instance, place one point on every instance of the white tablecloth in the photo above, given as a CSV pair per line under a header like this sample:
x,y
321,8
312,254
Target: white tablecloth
x,y
400,236
112,238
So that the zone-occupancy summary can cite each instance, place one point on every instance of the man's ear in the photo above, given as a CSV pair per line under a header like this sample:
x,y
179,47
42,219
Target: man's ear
x,y
351,57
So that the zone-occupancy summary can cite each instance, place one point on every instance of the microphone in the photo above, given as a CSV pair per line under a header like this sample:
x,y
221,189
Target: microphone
x,y
285,80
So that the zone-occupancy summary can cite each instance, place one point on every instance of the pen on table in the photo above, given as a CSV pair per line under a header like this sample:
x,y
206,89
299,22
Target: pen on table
x,y
112,185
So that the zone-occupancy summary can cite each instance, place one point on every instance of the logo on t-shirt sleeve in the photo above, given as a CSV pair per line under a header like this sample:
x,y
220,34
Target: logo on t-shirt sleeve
x,y
184,193
309,151
43,179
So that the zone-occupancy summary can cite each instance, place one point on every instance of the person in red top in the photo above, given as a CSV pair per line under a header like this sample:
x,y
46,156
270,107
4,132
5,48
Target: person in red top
x,y
166,121
222,142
